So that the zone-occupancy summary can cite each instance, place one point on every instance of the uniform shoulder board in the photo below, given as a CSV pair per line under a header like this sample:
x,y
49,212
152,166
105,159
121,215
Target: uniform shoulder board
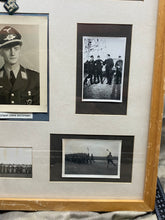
x,y
32,71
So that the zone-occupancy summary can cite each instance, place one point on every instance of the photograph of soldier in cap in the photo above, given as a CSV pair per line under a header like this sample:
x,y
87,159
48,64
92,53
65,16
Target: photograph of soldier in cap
x,y
24,63
18,85
103,68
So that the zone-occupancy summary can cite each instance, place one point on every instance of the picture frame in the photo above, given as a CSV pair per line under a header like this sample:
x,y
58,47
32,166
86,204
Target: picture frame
x,y
81,195
29,91
17,162
103,54
86,158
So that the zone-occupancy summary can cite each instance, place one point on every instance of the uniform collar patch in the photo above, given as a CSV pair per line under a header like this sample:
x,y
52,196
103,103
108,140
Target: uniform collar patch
x,y
1,73
24,75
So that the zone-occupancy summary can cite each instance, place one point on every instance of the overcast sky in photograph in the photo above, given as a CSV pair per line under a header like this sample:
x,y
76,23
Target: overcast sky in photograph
x,y
16,155
115,46
94,146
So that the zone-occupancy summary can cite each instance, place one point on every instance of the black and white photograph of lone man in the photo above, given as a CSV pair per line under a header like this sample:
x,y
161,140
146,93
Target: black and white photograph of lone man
x,y
16,162
18,85
24,63
91,158
103,68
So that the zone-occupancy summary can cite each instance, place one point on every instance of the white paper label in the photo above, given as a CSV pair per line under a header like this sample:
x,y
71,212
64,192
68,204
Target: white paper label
x,y
15,115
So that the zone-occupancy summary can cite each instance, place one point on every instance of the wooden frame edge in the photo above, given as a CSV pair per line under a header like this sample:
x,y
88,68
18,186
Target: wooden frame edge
x,y
155,124
72,205
152,154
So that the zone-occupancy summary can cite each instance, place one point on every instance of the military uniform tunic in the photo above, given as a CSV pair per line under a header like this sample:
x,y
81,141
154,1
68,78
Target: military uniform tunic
x,y
25,90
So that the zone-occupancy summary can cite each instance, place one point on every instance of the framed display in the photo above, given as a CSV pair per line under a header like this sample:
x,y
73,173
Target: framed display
x,y
96,148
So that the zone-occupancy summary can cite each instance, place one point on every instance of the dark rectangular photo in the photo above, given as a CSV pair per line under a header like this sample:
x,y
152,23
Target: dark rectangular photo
x,y
100,158
103,54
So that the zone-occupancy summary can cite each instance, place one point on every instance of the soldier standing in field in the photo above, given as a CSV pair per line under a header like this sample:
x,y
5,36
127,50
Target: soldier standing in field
x,y
110,159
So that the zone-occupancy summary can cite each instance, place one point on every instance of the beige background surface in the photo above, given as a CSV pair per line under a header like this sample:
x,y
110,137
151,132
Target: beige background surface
x,y
64,16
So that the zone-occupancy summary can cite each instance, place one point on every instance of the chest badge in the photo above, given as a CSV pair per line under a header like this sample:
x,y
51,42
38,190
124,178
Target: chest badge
x,y
29,100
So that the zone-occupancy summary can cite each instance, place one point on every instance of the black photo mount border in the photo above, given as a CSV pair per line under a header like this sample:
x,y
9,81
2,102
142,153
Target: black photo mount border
x,y
102,30
56,157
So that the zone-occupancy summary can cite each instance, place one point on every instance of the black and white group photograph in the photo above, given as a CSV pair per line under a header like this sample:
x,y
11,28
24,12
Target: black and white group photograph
x,y
91,158
23,71
16,162
103,68
103,61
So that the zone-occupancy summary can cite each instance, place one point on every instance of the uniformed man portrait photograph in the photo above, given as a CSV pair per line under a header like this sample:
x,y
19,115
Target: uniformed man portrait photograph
x,y
18,85
23,68
103,68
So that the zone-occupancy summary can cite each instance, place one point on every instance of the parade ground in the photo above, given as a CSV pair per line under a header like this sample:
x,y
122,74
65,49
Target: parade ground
x,y
14,175
99,167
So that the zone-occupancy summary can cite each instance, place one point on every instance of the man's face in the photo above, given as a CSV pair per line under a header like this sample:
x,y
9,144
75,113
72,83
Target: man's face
x,y
11,54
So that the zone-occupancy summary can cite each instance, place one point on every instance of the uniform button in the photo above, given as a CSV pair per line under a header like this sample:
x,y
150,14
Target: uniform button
x,y
29,93
12,102
12,94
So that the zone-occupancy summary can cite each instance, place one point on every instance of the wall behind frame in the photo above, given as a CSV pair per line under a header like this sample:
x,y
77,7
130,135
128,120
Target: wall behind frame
x,y
64,16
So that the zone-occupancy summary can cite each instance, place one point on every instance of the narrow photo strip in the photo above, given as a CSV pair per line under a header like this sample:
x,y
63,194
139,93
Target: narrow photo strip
x,y
23,63
103,56
16,162
91,158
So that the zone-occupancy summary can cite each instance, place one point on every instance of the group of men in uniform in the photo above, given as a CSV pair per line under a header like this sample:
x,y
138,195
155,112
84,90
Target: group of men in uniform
x,y
94,70
80,158
15,169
